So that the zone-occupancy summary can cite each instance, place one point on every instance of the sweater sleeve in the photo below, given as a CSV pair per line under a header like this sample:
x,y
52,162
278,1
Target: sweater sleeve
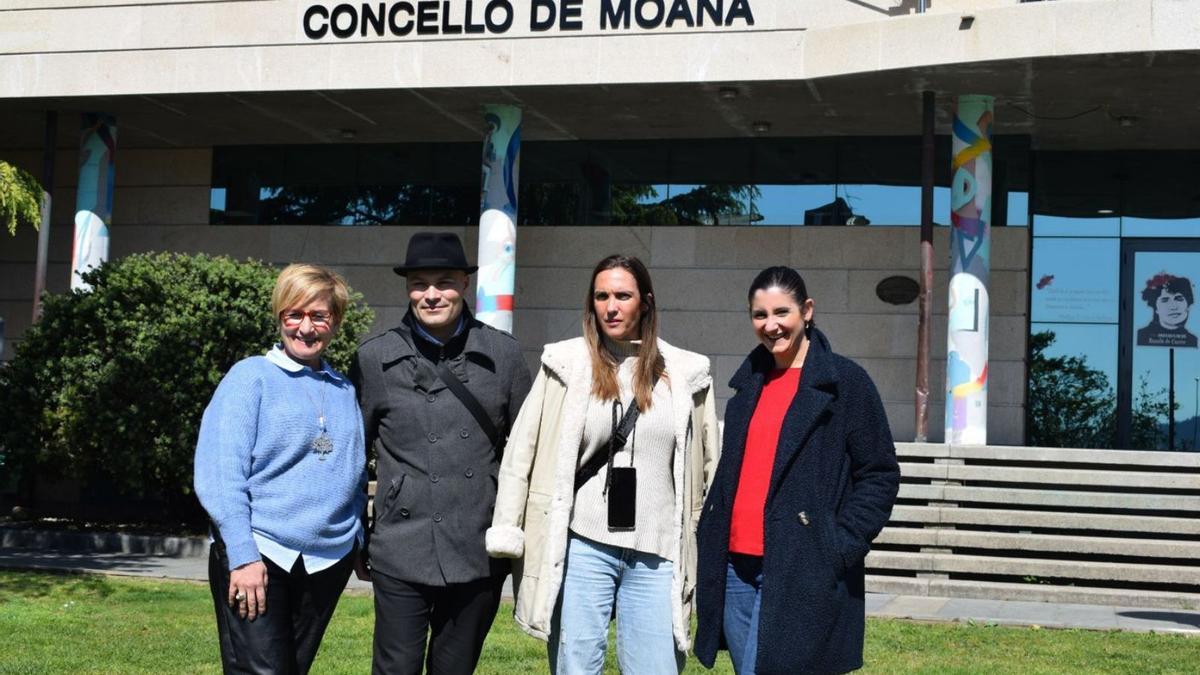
x,y
223,460
360,501
505,538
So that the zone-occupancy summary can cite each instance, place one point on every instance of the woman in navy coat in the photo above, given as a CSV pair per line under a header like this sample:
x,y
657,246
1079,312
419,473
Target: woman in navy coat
x,y
806,480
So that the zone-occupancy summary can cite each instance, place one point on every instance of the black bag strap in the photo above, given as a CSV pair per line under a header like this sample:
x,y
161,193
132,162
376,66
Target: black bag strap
x,y
468,399
621,432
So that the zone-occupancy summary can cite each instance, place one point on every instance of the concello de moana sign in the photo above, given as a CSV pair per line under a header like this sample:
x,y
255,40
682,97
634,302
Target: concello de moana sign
x,y
497,17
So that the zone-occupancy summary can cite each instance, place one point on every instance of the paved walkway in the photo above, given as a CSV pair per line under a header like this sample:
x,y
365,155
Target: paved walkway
x,y
1010,612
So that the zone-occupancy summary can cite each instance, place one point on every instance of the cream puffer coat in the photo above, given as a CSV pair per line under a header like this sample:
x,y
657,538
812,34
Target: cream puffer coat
x,y
537,478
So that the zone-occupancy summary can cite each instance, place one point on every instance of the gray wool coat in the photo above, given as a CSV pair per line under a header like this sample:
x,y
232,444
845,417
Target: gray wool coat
x,y
437,469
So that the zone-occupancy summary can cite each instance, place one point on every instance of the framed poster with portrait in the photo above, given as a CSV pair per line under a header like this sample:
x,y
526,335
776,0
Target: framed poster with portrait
x,y
1159,360
1170,296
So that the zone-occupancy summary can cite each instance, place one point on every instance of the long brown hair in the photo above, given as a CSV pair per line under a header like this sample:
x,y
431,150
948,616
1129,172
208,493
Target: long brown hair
x,y
650,363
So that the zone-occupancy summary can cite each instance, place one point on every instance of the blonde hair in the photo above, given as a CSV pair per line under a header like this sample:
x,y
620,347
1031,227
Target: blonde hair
x,y
301,283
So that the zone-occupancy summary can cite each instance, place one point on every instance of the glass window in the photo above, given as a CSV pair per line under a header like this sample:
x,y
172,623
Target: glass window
x,y
1072,384
1067,226
732,181
882,204
1159,227
1075,280
790,204
1163,298
1018,209
216,201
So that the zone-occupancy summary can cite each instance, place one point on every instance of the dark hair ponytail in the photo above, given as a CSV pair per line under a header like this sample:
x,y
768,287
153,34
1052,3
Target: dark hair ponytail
x,y
785,279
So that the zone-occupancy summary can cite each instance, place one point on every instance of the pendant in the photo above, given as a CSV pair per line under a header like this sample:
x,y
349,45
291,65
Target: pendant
x,y
322,445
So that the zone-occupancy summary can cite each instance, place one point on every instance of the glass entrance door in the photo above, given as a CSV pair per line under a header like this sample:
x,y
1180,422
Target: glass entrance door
x,y
1158,394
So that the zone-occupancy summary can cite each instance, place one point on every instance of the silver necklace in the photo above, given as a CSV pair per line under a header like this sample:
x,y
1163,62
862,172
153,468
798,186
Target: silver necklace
x,y
322,445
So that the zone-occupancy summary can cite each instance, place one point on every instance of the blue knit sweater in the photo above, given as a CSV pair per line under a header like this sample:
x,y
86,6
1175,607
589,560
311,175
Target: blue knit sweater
x,y
256,471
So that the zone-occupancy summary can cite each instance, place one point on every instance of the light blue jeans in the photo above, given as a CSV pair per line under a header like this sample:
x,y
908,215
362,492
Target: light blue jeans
x,y
640,584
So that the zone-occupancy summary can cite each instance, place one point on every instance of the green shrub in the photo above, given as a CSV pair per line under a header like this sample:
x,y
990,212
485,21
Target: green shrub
x,y
20,198
113,382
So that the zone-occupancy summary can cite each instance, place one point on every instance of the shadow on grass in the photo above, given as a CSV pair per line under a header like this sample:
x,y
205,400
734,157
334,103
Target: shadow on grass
x,y
14,584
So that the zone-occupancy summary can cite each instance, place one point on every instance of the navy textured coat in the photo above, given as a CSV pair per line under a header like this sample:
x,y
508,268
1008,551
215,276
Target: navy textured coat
x,y
832,487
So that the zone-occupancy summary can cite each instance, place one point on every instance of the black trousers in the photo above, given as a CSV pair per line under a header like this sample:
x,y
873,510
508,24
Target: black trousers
x,y
299,605
455,619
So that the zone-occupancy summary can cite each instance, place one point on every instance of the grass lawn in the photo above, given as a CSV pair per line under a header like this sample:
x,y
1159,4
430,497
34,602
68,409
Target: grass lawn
x,y
53,623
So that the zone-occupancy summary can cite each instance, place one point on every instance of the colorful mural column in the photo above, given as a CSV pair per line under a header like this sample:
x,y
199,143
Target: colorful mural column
x,y
970,256
94,196
498,216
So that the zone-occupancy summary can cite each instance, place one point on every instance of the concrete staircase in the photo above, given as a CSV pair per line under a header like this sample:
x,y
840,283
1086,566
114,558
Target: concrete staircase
x,y
1045,524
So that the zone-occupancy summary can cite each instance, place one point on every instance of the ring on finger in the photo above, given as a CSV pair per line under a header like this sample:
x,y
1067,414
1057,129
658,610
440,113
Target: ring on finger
x,y
240,596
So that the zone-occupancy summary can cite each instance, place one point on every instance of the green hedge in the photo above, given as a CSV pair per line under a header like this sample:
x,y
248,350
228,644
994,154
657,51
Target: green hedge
x,y
112,382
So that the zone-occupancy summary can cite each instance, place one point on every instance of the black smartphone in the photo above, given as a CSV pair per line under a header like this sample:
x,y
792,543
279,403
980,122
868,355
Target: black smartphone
x,y
622,499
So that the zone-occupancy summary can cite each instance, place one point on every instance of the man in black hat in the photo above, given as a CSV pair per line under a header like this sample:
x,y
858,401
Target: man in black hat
x,y
438,395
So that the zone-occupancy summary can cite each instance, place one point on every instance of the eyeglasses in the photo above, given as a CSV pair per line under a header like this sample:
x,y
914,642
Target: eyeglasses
x,y
295,317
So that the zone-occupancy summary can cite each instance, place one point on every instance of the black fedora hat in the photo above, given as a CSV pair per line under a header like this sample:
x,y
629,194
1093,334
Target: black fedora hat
x,y
435,251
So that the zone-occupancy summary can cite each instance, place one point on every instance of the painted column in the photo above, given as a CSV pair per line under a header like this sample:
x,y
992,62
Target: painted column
x,y
49,150
94,196
498,216
970,255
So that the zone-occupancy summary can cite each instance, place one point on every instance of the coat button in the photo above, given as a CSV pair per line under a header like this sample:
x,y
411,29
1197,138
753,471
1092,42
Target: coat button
x,y
431,397
469,473
432,437
802,517
434,477
464,433
403,513
437,517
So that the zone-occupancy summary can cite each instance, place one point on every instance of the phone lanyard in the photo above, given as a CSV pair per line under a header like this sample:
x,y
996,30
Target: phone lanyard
x,y
617,414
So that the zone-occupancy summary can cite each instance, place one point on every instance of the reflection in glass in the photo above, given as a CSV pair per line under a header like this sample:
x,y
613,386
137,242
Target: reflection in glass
x,y
1072,379
713,204
1018,209
554,203
883,204
368,205
1159,227
729,181
216,199
787,204
1075,279
1064,226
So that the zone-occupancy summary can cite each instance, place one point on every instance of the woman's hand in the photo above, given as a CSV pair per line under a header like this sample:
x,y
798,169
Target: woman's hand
x,y
361,569
248,589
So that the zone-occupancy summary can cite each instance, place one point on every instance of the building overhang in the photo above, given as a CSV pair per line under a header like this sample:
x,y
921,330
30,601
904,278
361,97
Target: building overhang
x,y
1089,102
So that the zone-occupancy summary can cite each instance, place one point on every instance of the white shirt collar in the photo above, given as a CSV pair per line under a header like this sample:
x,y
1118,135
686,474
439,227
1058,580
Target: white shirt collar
x,y
280,358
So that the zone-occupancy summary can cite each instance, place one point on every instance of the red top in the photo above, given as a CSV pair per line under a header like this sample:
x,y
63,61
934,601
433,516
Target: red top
x,y
746,524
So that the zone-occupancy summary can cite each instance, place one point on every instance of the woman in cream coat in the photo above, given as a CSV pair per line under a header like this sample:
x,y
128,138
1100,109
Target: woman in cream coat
x,y
532,521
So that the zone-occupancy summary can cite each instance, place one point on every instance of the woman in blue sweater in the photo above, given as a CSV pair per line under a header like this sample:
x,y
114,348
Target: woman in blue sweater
x,y
281,471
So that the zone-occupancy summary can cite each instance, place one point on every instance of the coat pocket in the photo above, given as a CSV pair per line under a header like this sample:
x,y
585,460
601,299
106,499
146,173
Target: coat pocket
x,y
537,520
831,552
389,501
